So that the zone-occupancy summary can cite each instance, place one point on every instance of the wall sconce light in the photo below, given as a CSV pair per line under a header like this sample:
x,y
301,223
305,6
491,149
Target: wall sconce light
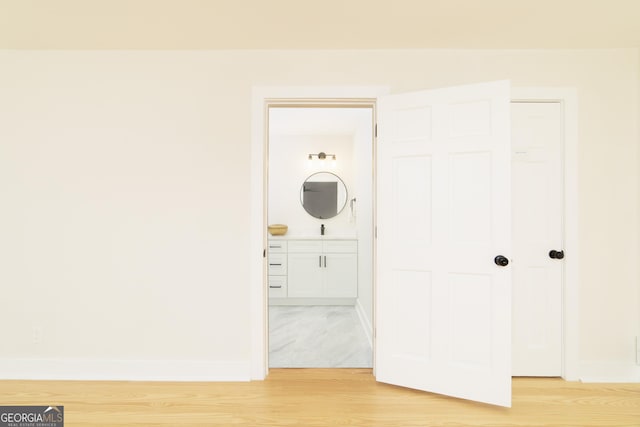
x,y
322,157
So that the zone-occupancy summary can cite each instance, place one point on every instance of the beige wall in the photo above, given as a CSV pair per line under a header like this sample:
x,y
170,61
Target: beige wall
x,y
125,180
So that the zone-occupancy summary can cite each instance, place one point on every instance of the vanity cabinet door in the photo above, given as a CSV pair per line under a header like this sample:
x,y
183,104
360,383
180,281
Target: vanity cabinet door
x,y
340,275
322,269
305,276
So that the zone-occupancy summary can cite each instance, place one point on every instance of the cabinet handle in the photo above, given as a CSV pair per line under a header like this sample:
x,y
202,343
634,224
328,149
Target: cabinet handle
x,y
320,261
275,287
275,264
325,261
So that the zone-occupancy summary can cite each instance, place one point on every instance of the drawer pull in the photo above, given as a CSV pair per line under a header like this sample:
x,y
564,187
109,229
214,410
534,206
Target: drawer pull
x,y
275,264
275,287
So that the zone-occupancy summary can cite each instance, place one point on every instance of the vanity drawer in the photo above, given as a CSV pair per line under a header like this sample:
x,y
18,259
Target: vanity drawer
x,y
305,246
340,246
276,246
278,286
277,264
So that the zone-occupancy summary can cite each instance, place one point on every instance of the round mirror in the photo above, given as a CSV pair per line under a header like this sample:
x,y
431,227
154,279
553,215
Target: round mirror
x,y
323,195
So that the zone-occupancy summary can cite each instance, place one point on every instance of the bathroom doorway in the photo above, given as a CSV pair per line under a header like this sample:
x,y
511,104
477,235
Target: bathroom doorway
x,y
320,271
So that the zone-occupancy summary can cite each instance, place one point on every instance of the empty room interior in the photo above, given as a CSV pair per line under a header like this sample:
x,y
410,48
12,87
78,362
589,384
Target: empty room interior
x,y
410,212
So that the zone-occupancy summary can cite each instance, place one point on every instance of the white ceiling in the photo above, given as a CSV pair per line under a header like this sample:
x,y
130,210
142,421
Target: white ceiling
x,y
318,24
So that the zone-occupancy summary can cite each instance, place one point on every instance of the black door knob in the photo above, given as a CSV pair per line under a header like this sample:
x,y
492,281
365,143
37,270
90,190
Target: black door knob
x,y
501,261
556,254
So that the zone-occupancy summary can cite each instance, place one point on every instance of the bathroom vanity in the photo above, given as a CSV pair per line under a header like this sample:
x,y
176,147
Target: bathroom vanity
x,y
313,271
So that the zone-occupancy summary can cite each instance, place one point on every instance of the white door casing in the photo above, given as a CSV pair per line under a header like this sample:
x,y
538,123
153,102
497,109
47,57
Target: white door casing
x,y
444,206
538,188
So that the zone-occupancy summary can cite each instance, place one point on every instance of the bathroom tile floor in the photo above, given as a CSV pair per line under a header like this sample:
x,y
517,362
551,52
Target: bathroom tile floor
x,y
317,337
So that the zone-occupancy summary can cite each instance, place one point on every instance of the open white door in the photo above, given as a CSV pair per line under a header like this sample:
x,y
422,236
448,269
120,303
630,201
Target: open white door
x,y
443,304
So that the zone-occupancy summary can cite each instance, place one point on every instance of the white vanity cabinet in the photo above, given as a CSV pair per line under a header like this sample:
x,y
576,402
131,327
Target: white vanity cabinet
x,y
322,268
277,267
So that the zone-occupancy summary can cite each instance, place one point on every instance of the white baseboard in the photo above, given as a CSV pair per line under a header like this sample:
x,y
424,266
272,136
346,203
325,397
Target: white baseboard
x,y
312,301
123,370
609,372
365,322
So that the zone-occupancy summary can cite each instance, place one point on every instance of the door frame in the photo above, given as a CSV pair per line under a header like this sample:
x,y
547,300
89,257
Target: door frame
x,y
306,95
552,362
568,99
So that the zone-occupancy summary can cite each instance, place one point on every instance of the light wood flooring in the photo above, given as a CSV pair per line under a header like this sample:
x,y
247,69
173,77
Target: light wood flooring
x,y
324,397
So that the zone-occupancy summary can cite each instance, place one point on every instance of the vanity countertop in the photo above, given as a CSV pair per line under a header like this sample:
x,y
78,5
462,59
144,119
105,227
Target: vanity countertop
x,y
313,237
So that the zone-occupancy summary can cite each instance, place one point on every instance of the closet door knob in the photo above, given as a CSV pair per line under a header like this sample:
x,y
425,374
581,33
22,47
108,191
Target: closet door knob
x,y
501,261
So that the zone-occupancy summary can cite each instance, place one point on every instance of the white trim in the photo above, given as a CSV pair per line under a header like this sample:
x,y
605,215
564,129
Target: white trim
x,y
257,294
570,310
123,370
258,298
312,301
367,327
569,99
609,372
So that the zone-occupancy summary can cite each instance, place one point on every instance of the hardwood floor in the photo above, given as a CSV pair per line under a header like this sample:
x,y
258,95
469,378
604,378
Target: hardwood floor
x,y
323,397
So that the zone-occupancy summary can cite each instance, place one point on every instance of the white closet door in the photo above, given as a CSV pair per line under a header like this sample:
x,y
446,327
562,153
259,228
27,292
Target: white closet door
x,y
537,230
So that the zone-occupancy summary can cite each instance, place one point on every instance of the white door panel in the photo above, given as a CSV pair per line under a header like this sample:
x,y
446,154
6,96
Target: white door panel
x,y
537,229
412,210
443,305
